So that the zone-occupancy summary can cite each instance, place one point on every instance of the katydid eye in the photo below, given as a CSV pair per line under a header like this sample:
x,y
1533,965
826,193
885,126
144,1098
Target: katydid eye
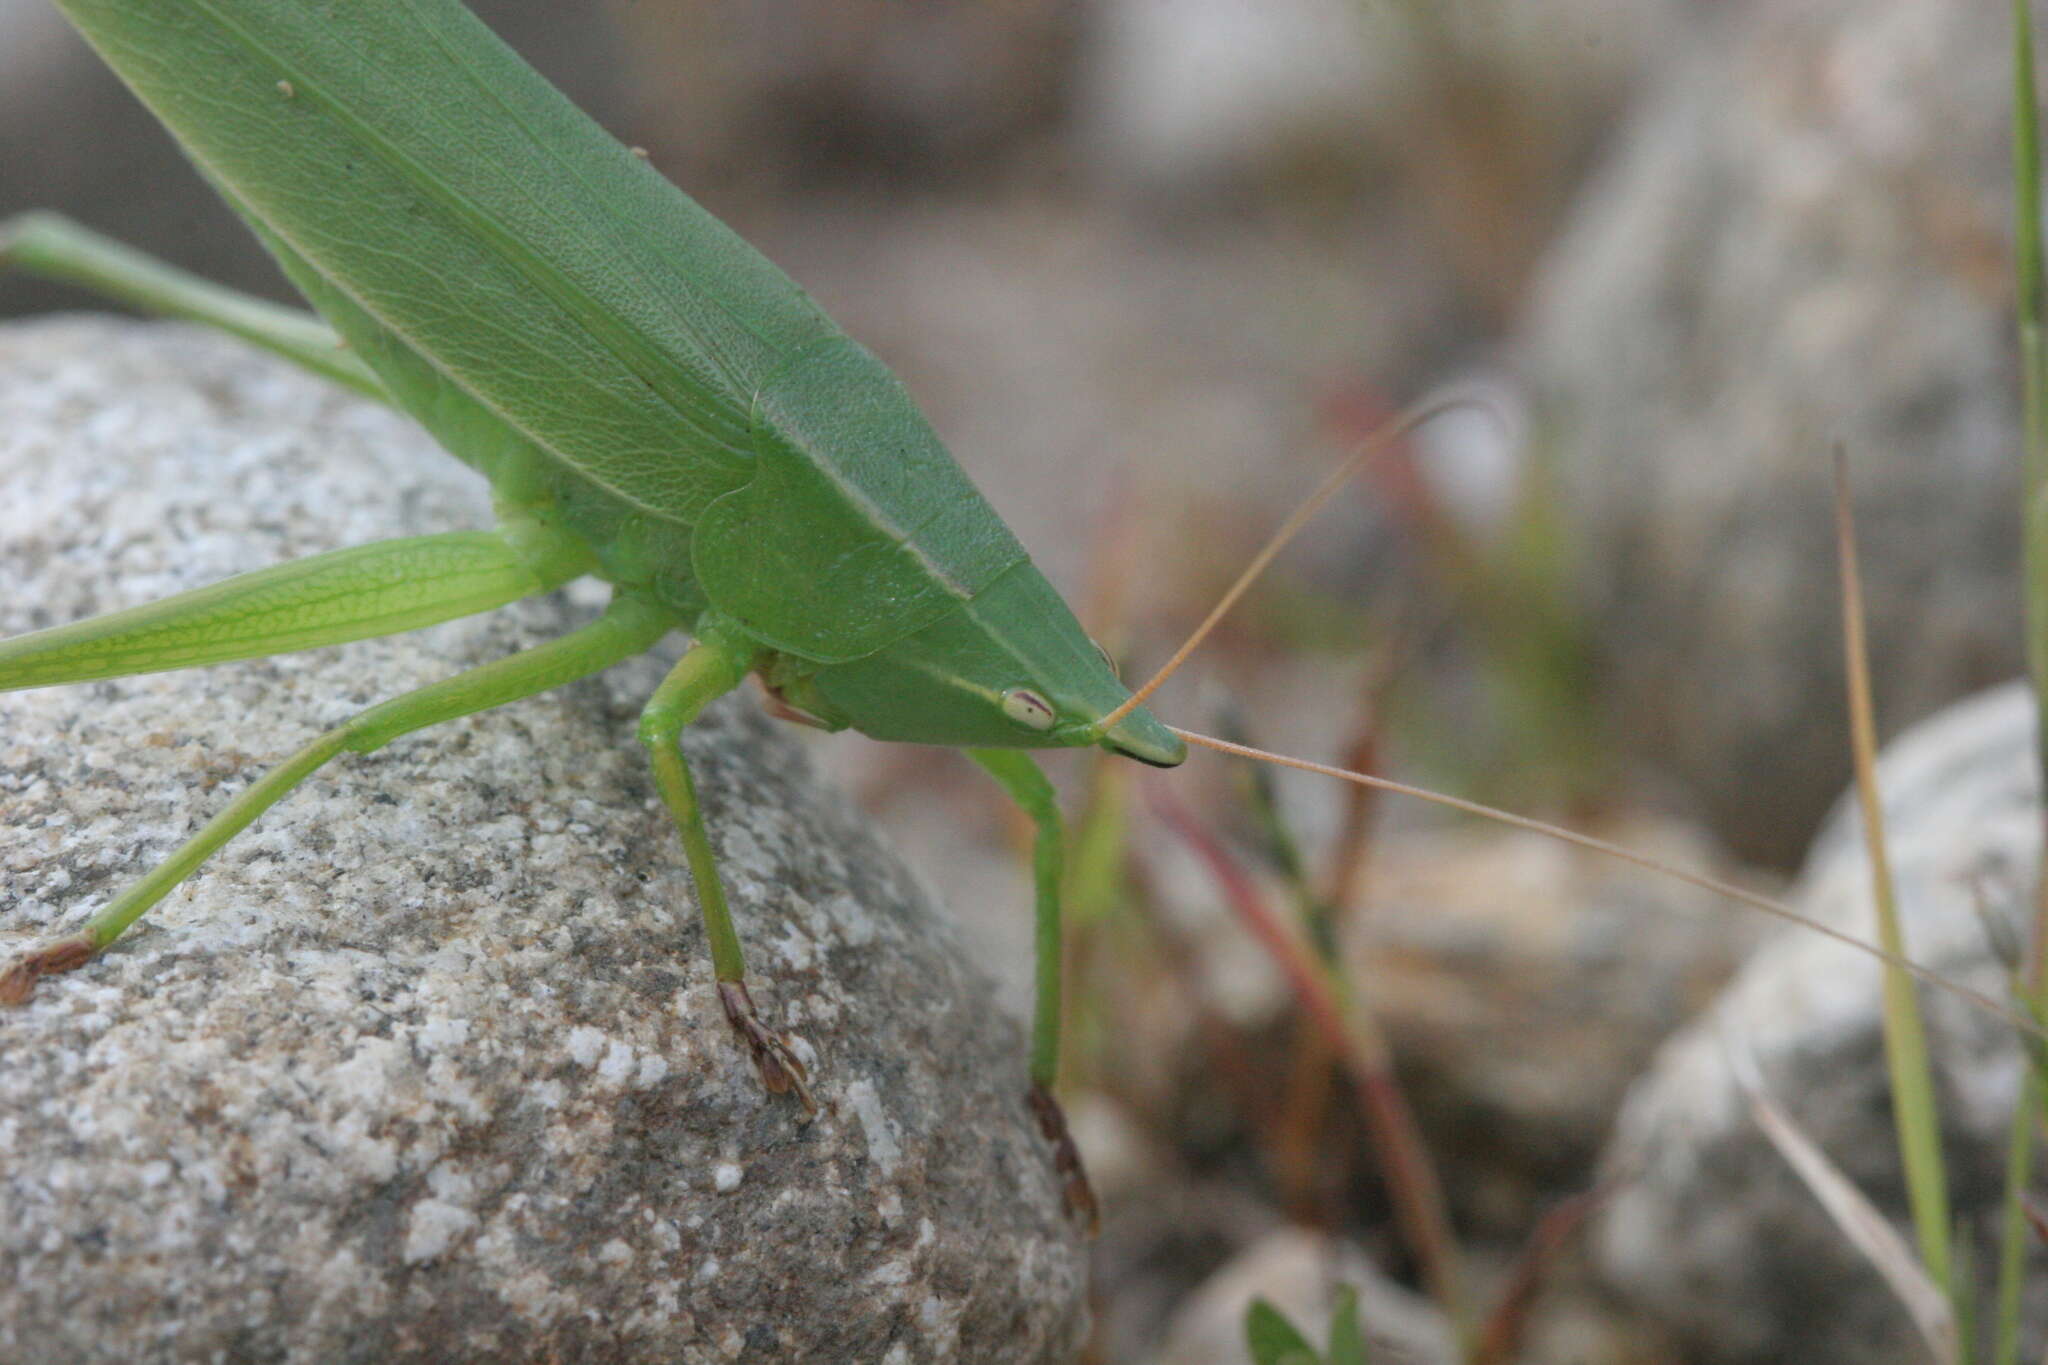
x,y
1027,708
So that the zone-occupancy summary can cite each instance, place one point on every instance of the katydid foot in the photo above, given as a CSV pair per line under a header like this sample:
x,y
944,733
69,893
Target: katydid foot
x,y
67,954
1077,1196
781,1070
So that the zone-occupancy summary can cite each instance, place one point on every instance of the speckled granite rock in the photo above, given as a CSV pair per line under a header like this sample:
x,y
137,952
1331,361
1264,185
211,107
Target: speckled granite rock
x,y
427,1065
1801,242
1715,1237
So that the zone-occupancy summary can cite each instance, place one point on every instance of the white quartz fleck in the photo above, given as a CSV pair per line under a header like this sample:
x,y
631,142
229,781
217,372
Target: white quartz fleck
x,y
875,1124
433,1228
617,1066
585,1045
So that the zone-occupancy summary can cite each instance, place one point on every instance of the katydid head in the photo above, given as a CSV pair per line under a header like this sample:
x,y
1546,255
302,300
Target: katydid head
x,y
1011,668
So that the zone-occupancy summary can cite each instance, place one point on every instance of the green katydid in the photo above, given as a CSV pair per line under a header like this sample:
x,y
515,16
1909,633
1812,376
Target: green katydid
x,y
652,402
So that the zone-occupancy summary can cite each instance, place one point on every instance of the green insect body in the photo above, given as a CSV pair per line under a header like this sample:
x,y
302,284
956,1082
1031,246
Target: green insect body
x,y
652,401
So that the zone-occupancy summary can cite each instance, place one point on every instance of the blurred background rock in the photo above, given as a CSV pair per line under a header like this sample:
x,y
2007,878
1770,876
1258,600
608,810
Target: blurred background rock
x,y
1150,265
1714,1233
1801,242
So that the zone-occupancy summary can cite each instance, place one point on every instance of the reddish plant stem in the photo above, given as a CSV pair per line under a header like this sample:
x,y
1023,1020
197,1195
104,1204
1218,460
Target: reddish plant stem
x,y
1500,1336
1404,1160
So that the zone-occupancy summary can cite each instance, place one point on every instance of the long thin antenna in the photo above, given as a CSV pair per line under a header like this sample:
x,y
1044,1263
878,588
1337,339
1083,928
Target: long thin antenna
x,y
1776,909
1372,445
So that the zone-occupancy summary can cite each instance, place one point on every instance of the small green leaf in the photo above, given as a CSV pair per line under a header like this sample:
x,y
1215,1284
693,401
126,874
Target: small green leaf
x,y
1272,1338
1347,1340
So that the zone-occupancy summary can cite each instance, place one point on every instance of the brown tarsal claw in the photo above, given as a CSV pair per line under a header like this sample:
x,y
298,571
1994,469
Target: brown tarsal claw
x,y
1077,1196
18,981
781,1070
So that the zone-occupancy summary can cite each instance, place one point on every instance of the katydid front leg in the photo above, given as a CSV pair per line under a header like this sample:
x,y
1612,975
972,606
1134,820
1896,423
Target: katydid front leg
x,y
712,667
1034,795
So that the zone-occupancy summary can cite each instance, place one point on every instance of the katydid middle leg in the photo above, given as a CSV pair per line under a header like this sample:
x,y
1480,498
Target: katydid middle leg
x,y
710,669
629,627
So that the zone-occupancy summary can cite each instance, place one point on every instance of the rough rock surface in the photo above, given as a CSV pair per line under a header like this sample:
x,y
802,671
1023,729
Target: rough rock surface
x,y
427,1065
1715,1235
1800,242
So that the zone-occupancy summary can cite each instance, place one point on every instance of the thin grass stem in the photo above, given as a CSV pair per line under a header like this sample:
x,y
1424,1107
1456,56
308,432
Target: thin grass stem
x,y
1914,1109
2031,308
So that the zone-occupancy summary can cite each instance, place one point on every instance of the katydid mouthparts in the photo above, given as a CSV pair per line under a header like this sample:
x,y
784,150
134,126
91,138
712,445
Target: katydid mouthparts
x,y
705,440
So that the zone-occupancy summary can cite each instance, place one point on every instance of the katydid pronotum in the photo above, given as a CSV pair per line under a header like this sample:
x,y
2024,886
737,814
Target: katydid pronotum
x,y
652,402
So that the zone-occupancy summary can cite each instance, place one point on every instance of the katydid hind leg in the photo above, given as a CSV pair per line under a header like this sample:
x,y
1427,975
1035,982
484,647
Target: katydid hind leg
x,y
1026,785
628,628
364,591
708,671
55,248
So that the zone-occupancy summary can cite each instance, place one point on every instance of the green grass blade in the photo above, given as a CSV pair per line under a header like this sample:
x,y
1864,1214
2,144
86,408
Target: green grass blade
x,y
2013,1229
1100,845
1271,1338
2031,307
1347,1338
1912,1079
